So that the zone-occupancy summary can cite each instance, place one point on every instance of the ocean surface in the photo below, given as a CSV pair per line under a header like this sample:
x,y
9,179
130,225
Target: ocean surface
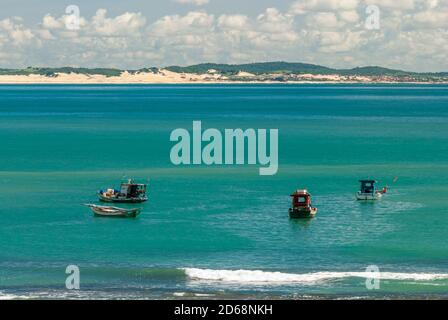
x,y
223,231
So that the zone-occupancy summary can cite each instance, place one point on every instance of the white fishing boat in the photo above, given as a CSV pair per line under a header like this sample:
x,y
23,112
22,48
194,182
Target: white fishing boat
x,y
107,211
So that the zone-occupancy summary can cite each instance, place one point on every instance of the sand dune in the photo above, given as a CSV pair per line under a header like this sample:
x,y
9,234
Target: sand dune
x,y
164,76
168,77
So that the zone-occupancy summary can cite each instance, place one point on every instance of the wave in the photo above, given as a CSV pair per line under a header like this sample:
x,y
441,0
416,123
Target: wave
x,y
260,277
10,296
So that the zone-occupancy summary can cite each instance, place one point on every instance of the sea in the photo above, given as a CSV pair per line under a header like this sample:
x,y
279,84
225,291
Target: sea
x,y
223,231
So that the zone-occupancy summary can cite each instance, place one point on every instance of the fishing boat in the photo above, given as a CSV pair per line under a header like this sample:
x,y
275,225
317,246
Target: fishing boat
x,y
105,211
129,192
368,191
301,205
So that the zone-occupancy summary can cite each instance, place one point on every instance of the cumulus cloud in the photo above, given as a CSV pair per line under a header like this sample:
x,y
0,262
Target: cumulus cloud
x,y
233,22
432,19
15,32
127,24
393,4
304,6
192,23
48,22
349,16
195,2
323,20
16,42
413,35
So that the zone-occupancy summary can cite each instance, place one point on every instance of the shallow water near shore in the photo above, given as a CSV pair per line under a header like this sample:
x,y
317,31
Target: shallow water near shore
x,y
223,231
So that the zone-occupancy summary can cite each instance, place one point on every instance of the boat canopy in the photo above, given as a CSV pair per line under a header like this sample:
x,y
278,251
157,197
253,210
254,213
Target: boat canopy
x,y
300,192
301,198
131,189
368,186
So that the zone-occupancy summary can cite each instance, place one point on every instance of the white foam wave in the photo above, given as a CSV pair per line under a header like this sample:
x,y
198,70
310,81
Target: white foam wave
x,y
258,276
7,296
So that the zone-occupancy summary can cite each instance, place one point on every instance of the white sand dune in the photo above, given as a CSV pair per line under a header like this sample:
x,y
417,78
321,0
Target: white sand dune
x,y
169,77
164,76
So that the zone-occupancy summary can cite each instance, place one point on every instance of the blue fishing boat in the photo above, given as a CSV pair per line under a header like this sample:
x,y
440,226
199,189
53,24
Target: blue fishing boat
x,y
368,190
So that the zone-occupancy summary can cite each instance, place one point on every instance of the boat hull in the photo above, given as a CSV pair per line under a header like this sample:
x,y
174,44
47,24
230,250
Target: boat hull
x,y
114,212
302,213
368,196
104,198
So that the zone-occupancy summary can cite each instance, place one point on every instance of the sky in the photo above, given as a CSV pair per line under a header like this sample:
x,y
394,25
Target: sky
x,y
402,34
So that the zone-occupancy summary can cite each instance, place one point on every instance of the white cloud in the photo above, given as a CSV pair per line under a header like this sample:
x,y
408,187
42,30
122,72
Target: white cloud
x,y
126,24
304,6
236,22
323,20
273,27
14,31
193,22
351,16
432,19
339,41
393,4
413,35
272,20
48,22
194,2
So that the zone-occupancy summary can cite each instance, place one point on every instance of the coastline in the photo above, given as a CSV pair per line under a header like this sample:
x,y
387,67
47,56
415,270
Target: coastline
x,y
169,77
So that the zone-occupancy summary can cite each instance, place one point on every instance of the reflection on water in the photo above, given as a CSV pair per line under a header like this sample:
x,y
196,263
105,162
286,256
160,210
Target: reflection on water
x,y
299,224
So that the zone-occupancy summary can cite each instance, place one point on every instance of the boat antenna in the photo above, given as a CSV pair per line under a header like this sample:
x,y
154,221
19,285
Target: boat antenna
x,y
393,182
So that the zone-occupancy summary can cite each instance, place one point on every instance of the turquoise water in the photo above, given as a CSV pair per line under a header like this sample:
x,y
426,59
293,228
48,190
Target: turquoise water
x,y
60,144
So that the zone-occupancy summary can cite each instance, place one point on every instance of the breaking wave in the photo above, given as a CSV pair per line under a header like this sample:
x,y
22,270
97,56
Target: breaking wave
x,y
260,277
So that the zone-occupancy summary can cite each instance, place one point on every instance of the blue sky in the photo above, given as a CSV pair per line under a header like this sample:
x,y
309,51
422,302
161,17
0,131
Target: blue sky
x,y
404,34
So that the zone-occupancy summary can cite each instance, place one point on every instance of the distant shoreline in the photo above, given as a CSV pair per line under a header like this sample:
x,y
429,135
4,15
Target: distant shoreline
x,y
168,77
255,73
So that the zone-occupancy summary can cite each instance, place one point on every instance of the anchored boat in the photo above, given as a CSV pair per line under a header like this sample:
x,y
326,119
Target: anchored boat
x,y
114,211
301,205
368,190
129,192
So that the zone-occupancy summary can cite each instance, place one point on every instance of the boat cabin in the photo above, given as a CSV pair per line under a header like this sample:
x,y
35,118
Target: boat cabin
x,y
368,186
129,192
301,198
132,190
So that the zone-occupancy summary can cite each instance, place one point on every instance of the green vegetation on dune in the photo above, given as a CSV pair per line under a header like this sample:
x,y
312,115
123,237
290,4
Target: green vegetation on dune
x,y
52,72
144,70
263,71
286,68
255,68
374,71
